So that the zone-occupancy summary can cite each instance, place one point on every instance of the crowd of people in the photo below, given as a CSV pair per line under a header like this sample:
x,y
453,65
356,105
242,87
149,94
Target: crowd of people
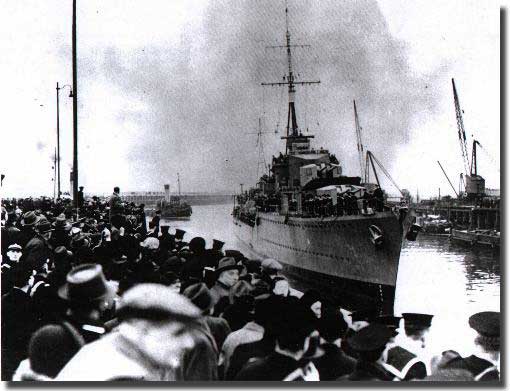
x,y
96,294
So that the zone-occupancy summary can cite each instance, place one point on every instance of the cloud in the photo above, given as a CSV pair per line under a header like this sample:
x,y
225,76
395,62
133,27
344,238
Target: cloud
x,y
191,107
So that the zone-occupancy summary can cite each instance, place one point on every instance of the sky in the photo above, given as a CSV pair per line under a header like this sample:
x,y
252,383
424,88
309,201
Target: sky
x,y
174,86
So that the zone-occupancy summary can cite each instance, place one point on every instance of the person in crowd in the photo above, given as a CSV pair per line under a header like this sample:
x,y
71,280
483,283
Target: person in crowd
x,y
159,338
201,296
227,275
214,254
166,241
407,359
370,345
293,329
17,321
194,266
334,363
179,239
80,197
38,250
484,363
250,332
89,300
116,209
155,222
49,350
270,269
27,227
10,233
312,299
239,310
61,232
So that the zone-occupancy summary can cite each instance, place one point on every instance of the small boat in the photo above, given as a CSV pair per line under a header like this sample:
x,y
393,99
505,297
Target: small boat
x,y
477,237
175,209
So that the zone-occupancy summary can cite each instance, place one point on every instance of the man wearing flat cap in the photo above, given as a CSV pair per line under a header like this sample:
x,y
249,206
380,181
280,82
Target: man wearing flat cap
x,y
270,268
484,363
227,274
159,338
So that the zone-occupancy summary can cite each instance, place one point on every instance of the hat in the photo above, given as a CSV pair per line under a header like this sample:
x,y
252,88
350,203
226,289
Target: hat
x,y
200,295
271,264
332,325
366,315
79,240
85,283
150,243
197,244
156,302
51,347
390,321
237,255
415,321
43,225
14,247
61,251
179,233
61,222
225,264
487,323
370,338
29,218
217,244
164,228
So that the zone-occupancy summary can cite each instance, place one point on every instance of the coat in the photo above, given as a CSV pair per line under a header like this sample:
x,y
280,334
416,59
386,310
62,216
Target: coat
x,y
18,323
219,329
334,363
274,367
128,360
246,353
368,371
36,252
251,332
482,370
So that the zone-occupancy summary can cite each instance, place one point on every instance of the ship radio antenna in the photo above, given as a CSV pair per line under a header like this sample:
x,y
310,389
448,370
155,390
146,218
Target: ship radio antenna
x,y
292,126
260,147
179,184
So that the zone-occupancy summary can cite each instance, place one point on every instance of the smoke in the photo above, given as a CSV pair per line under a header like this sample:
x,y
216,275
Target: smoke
x,y
194,108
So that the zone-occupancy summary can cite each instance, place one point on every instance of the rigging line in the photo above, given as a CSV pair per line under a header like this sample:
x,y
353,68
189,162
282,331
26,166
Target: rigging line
x,y
386,173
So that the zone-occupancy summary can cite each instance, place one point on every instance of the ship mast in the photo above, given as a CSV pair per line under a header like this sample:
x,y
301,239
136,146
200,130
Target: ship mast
x,y
292,126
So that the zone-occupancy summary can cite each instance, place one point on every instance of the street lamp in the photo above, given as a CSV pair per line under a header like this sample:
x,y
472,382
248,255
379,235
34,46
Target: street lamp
x,y
58,133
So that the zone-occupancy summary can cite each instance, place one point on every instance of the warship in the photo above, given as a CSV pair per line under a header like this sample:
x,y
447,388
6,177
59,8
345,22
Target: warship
x,y
333,232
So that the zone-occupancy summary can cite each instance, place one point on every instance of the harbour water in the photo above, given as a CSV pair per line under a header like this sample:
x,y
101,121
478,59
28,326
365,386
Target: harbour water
x,y
435,276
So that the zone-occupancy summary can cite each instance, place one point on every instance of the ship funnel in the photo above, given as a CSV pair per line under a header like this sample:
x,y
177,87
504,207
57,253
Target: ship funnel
x,y
167,193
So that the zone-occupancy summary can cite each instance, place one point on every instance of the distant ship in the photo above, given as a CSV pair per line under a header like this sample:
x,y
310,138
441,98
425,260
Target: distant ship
x,y
350,253
174,207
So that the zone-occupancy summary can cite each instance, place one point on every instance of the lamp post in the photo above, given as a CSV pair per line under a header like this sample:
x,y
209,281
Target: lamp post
x,y
58,134
75,111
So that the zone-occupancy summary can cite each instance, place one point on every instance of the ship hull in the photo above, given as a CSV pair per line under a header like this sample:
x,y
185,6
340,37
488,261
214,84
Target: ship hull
x,y
335,255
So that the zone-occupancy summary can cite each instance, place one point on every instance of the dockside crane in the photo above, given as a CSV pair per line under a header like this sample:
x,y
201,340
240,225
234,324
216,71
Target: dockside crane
x,y
474,184
359,143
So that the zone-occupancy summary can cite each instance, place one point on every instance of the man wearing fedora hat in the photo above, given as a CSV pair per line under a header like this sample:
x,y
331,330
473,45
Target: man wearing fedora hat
x,y
160,338
38,250
227,274
28,222
61,234
90,300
